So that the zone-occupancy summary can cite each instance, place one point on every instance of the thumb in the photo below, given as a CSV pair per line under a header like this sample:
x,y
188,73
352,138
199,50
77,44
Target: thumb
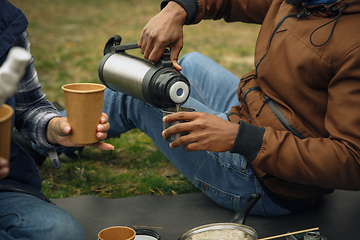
x,y
61,127
65,128
174,55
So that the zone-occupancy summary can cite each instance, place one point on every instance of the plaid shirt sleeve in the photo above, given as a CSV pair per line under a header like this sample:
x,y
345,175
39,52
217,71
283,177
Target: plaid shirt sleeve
x,y
33,110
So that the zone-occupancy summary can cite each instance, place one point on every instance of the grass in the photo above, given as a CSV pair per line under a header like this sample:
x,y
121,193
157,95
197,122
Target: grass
x,y
67,40
135,167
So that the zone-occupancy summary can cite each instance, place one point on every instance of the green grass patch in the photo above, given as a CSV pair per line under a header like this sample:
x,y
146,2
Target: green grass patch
x,y
135,167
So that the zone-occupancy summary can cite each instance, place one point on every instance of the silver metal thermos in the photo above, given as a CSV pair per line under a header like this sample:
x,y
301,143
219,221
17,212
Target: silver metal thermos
x,y
159,84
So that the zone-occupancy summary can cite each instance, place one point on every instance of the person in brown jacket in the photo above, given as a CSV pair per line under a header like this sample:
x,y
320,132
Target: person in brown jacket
x,y
289,129
297,123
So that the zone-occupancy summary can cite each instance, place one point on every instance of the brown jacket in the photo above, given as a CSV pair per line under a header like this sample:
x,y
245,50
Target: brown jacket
x,y
314,80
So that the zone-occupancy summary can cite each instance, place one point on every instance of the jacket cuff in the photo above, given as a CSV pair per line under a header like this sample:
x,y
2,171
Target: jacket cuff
x,y
248,141
191,7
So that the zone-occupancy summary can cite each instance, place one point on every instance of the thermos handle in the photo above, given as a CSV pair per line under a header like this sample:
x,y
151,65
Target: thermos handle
x,y
113,45
123,47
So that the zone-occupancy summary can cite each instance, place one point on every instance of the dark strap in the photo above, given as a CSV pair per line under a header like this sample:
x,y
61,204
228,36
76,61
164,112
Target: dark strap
x,y
280,116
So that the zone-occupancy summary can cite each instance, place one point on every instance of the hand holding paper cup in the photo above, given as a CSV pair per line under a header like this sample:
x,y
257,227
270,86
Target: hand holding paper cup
x,y
83,102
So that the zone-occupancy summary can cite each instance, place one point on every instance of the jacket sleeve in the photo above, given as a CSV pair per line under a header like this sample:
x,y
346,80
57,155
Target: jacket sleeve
x,y
33,110
250,11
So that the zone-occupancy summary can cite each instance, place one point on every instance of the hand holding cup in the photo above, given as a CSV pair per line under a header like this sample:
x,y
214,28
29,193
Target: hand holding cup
x,y
206,131
85,123
59,132
166,125
83,103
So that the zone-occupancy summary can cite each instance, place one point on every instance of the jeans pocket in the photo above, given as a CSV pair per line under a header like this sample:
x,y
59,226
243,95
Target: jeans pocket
x,y
11,220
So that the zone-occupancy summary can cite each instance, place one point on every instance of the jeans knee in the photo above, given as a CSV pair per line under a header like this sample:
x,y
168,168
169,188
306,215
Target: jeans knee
x,y
189,57
62,225
24,216
51,222
55,225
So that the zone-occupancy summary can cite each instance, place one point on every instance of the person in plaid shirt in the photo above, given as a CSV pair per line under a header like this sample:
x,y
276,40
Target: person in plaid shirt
x,y
25,213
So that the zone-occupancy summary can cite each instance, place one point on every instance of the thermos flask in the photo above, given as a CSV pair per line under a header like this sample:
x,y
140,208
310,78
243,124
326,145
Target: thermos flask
x,y
159,84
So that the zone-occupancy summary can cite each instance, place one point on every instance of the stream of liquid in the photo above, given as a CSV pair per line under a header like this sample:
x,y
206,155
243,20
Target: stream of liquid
x,y
178,107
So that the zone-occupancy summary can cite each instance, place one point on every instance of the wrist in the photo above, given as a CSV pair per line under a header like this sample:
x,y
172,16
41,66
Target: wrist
x,y
177,11
191,8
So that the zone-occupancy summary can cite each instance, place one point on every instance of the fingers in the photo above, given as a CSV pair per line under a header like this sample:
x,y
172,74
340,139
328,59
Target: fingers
x,y
184,141
164,30
152,51
146,42
147,48
59,130
181,116
176,65
185,127
104,124
155,53
204,130
65,128
150,43
4,168
187,124
59,126
104,118
102,135
102,146
174,54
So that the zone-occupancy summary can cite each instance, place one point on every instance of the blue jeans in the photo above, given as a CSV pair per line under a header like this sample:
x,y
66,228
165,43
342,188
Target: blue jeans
x,y
24,216
225,177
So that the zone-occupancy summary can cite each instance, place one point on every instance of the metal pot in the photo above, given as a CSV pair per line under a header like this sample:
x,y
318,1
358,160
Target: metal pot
x,y
235,230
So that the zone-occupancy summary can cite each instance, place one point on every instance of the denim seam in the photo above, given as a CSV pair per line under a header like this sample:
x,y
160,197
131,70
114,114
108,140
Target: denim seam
x,y
235,198
260,204
12,213
242,172
203,98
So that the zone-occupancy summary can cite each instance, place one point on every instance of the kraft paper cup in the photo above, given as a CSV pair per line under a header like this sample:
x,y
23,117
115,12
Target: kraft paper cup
x,y
168,111
83,103
117,233
6,113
